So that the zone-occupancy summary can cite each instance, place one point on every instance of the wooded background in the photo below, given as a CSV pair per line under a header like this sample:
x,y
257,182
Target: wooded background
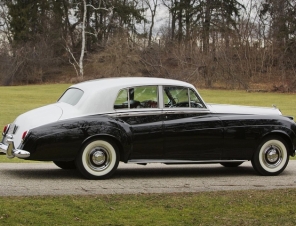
x,y
247,44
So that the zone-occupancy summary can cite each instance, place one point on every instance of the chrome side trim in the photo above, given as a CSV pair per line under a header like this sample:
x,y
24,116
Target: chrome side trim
x,y
183,111
172,161
139,113
156,112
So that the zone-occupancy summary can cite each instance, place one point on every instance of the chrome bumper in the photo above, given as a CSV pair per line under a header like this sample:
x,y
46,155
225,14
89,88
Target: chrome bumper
x,y
11,152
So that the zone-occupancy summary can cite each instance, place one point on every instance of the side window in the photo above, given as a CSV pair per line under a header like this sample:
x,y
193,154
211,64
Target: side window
x,y
175,96
195,102
71,96
121,101
137,97
146,96
181,97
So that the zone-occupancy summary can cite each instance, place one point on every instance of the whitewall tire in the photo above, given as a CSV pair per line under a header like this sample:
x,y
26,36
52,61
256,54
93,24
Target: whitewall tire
x,y
272,156
98,159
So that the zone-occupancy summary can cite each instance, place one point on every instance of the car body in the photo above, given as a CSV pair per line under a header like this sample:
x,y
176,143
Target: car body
x,y
96,124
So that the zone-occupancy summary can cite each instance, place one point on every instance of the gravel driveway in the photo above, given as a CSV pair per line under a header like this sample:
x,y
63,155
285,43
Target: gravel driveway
x,y
26,179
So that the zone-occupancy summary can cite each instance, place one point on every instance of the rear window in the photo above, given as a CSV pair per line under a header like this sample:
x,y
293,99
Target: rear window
x,y
71,96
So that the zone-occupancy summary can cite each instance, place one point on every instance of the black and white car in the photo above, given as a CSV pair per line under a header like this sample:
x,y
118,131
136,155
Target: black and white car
x,y
96,124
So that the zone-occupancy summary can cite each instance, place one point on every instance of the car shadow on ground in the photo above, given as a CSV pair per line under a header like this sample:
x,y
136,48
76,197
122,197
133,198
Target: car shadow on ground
x,y
28,173
134,172
185,171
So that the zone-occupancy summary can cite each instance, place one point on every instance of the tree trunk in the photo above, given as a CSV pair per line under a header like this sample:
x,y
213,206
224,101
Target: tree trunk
x,y
81,72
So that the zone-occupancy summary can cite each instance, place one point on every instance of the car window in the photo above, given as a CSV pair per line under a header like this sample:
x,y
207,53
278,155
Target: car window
x,y
137,97
71,96
195,101
121,101
176,96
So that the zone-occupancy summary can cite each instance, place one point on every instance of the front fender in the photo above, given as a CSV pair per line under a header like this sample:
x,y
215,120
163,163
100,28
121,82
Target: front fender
x,y
287,134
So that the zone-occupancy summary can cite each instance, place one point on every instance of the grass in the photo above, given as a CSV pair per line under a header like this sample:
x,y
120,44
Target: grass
x,y
267,207
19,99
275,207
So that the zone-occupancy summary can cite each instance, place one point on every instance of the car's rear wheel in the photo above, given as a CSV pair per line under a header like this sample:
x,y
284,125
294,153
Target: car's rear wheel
x,y
271,157
67,165
98,159
231,164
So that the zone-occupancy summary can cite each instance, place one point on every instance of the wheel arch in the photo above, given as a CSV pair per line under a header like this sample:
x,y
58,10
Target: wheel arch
x,y
121,148
282,134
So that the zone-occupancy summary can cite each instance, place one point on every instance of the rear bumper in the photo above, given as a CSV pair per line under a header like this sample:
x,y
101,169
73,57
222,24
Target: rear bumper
x,y
12,152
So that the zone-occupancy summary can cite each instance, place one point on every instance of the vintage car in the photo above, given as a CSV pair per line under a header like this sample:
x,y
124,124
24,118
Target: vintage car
x,y
96,124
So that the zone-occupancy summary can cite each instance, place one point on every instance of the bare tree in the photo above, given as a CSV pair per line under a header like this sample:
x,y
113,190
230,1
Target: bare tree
x,y
4,23
152,5
79,64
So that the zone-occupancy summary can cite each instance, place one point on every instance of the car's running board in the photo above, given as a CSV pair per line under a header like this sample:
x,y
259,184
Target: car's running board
x,y
171,161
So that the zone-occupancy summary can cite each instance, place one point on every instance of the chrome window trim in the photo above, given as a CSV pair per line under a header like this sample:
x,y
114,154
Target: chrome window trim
x,y
189,97
186,111
160,98
129,113
155,111
188,91
198,97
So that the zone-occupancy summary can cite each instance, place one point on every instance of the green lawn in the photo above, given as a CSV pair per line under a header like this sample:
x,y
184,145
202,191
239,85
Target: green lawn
x,y
15,100
227,208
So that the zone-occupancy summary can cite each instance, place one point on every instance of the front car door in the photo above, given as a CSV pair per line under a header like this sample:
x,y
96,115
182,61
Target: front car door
x,y
191,132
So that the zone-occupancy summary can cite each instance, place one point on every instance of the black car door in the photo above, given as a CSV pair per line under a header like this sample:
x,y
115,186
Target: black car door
x,y
139,108
191,132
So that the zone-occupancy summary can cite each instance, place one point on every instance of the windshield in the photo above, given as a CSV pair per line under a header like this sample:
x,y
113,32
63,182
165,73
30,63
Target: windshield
x,y
71,96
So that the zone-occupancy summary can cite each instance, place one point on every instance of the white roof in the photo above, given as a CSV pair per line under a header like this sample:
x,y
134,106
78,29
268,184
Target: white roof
x,y
99,95
123,82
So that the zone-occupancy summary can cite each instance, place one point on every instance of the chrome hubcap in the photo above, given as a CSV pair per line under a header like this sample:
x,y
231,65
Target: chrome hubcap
x,y
98,159
272,156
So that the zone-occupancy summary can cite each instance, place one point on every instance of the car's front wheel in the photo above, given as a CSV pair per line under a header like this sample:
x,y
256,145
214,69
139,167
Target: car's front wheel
x,y
271,157
98,159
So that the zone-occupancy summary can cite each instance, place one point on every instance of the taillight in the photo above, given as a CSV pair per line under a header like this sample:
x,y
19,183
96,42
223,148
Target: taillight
x,y
6,128
24,135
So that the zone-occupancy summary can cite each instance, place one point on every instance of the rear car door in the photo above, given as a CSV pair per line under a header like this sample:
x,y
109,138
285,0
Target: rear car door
x,y
139,108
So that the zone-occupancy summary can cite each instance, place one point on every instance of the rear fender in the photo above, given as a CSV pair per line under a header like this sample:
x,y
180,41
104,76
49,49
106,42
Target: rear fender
x,y
122,142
